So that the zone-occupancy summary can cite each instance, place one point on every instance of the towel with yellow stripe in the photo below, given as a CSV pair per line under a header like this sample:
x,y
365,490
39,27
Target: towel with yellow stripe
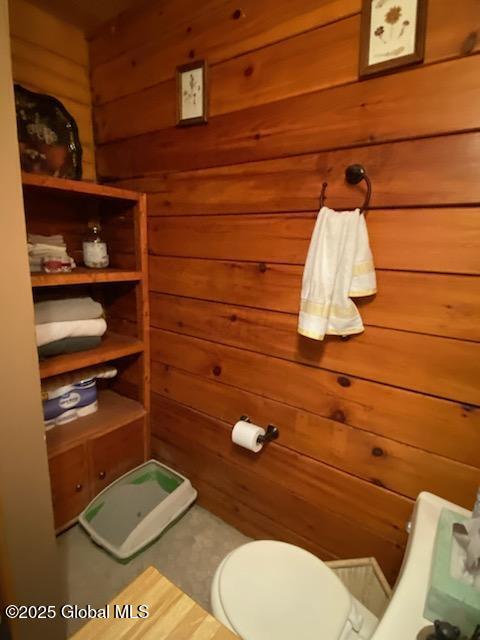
x,y
339,267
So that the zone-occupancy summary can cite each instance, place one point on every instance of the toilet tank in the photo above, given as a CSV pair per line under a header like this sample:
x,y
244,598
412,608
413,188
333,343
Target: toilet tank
x,y
404,615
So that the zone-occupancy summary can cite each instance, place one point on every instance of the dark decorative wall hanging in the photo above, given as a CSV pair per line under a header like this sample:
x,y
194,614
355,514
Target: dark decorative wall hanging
x,y
392,35
47,136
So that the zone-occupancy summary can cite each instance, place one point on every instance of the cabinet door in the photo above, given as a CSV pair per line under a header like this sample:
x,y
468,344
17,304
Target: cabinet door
x,y
69,482
115,453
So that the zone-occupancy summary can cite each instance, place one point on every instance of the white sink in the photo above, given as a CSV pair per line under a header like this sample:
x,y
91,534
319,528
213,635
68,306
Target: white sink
x,y
404,616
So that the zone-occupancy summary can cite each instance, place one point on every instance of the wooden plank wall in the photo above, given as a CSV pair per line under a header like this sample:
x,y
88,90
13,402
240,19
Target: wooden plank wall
x,y
51,56
367,423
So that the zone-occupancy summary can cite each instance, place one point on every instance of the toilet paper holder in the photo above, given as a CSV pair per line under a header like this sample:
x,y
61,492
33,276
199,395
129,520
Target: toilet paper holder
x,y
271,432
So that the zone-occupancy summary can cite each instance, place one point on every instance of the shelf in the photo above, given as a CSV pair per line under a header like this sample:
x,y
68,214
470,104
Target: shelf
x,y
83,275
115,436
77,187
113,346
114,411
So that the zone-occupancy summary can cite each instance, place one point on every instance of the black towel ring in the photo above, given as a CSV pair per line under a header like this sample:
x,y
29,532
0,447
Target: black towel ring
x,y
322,194
354,174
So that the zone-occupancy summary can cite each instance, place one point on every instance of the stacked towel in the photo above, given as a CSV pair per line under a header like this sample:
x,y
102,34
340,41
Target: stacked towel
x,y
68,345
339,266
67,309
68,325
45,248
53,331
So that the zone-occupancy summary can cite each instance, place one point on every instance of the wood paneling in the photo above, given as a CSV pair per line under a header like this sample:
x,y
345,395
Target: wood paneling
x,y
51,56
293,184
249,80
393,413
326,486
284,238
350,115
303,489
369,421
28,21
310,522
391,464
264,75
85,15
252,522
53,72
405,300
167,36
419,362
140,57
453,33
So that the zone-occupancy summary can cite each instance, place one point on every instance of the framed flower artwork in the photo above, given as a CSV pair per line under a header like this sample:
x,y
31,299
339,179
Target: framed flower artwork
x,y
192,94
392,35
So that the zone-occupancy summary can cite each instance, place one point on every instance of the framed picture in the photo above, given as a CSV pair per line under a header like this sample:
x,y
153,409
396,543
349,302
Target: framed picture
x,y
192,94
392,35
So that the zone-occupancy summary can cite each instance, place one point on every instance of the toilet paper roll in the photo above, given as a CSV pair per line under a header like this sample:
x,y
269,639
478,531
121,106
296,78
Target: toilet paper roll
x,y
245,434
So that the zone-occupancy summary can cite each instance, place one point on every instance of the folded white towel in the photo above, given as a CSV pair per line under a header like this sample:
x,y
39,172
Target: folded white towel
x,y
46,250
339,265
35,238
66,309
52,331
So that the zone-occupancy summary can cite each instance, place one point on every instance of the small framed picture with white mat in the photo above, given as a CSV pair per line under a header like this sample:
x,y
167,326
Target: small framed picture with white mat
x,y
392,35
192,94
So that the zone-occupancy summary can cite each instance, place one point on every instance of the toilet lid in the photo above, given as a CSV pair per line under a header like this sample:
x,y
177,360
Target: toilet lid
x,y
271,589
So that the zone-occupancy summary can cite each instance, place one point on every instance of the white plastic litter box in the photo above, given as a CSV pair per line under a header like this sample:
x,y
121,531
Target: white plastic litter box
x,y
135,509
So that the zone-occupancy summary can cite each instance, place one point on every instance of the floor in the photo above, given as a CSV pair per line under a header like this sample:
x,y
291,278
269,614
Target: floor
x,y
187,554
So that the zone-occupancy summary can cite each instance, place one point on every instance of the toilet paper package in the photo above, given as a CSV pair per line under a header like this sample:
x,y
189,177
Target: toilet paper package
x,y
70,402
245,434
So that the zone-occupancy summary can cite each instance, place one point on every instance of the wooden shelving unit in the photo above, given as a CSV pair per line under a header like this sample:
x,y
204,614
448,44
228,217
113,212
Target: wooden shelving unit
x,y
112,347
87,454
48,183
114,411
83,275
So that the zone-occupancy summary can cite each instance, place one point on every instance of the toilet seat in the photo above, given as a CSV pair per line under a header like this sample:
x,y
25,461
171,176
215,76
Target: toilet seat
x,y
268,589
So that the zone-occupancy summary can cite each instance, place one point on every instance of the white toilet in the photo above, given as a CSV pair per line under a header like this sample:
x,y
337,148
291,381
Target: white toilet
x,y
267,590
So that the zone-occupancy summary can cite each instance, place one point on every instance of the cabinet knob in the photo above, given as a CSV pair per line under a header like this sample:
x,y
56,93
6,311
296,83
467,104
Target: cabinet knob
x,y
78,487
102,475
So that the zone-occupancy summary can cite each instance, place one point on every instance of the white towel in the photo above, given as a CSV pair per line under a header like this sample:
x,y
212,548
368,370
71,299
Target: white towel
x,y
339,265
51,331
67,309
41,250
35,238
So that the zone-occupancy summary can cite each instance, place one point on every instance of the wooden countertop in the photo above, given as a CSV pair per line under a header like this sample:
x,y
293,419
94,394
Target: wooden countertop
x,y
172,615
